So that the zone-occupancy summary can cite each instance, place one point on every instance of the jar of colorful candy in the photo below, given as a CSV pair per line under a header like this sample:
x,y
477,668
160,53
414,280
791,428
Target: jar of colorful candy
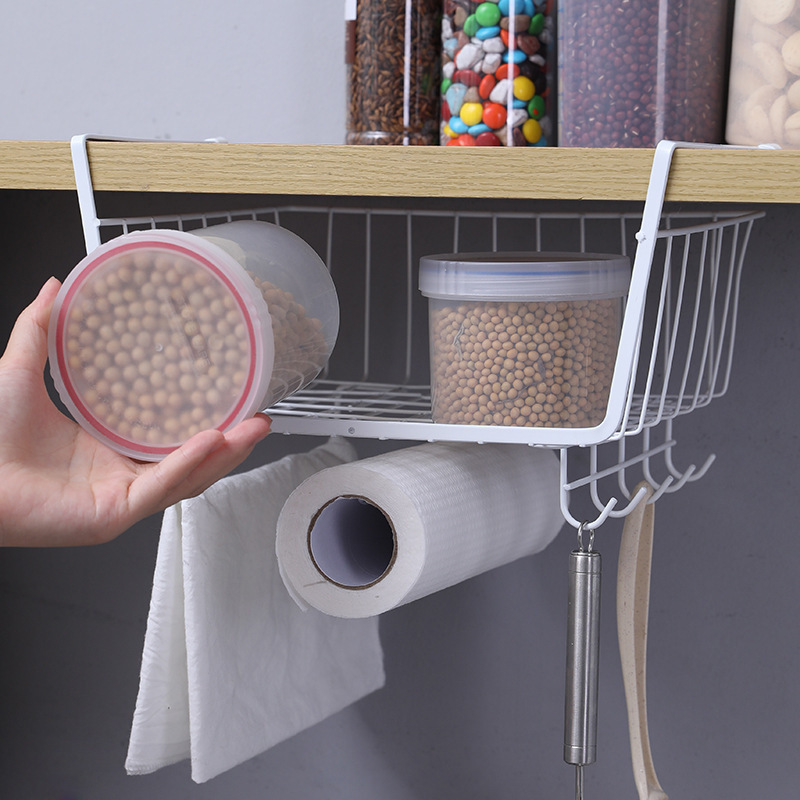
x,y
392,56
496,69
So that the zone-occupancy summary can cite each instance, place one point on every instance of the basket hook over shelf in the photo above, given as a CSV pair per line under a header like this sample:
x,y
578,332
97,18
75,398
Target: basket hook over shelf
x,y
630,345
703,326
84,183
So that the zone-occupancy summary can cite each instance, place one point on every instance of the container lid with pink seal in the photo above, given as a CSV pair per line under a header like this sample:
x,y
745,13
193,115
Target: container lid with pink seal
x,y
156,336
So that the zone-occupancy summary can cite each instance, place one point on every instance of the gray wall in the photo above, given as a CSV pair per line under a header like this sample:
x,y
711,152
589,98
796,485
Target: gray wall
x,y
473,705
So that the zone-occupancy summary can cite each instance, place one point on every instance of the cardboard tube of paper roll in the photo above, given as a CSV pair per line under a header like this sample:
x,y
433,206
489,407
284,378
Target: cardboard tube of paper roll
x,y
359,539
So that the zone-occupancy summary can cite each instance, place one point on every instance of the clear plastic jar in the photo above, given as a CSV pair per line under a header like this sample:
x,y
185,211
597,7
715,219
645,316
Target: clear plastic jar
x,y
157,335
631,74
392,57
523,339
764,88
496,73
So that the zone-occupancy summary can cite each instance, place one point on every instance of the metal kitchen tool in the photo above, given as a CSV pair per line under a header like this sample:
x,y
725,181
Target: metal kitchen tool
x,y
583,650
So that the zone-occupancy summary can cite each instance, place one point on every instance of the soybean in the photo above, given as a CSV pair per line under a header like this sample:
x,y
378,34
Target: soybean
x,y
158,350
545,364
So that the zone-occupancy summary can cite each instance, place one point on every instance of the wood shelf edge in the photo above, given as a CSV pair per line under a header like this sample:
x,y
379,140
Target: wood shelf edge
x,y
728,176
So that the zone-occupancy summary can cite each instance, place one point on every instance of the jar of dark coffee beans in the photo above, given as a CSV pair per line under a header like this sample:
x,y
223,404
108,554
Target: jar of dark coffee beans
x,y
392,51
633,73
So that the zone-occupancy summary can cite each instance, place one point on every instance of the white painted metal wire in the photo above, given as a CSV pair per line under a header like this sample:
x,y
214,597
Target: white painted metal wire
x,y
675,353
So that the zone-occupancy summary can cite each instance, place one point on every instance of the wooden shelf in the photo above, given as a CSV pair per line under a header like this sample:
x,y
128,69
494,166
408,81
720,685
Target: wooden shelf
x,y
719,176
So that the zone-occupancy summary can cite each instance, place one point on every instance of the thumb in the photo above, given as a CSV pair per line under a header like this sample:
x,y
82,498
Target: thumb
x,y
27,345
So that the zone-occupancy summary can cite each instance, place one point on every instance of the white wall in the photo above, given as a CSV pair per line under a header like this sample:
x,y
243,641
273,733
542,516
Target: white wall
x,y
248,71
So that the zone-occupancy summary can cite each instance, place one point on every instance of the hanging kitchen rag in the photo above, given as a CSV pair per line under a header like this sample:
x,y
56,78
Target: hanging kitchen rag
x,y
633,602
231,666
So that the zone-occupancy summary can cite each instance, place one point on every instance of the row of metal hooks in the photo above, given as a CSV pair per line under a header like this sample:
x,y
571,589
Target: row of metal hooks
x,y
670,480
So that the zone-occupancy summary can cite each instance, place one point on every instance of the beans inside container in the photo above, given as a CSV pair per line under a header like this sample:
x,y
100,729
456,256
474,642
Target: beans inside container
x,y
631,74
523,339
526,364
158,348
158,335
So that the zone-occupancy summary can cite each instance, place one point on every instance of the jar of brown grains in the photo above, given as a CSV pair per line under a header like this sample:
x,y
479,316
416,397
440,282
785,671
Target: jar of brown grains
x,y
157,335
523,339
392,52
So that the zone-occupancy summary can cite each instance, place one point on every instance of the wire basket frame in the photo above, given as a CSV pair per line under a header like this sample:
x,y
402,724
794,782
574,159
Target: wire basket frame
x,y
676,347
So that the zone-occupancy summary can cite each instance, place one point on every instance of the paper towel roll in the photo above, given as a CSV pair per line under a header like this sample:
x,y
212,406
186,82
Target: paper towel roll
x,y
362,538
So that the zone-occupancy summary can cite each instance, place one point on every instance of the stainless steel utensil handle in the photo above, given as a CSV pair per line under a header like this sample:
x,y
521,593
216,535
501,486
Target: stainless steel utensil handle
x,y
583,650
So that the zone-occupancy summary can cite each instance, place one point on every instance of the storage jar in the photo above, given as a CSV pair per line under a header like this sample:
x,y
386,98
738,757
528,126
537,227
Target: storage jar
x,y
525,339
764,88
392,56
497,60
634,73
159,334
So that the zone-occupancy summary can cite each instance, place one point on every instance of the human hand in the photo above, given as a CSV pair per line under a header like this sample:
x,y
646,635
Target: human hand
x,y
61,486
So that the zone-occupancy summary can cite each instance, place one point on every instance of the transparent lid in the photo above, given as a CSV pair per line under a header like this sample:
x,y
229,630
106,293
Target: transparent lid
x,y
524,276
156,336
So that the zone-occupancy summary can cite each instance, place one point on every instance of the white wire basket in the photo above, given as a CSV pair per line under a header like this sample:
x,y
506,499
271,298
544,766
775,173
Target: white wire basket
x,y
676,346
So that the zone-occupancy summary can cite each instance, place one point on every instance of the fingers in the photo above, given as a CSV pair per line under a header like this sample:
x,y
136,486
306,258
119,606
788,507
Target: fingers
x,y
192,468
28,341
239,443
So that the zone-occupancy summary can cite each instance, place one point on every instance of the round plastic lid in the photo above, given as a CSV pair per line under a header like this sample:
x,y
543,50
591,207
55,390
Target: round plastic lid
x,y
524,276
156,336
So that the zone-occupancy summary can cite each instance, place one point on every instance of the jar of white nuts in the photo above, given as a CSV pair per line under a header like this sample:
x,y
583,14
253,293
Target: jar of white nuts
x,y
764,86
157,335
523,339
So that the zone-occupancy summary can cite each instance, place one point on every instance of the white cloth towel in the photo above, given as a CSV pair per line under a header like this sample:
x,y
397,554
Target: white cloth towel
x,y
231,666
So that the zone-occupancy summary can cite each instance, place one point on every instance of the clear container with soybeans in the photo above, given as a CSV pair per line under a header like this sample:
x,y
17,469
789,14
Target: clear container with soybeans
x,y
523,339
159,334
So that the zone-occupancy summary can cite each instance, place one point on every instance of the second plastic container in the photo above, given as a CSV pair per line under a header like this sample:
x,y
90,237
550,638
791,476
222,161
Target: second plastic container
x,y
159,334
526,339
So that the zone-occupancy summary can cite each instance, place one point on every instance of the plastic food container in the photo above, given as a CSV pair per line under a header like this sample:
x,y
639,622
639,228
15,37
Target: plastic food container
x,y
632,74
497,62
392,57
764,88
157,335
526,339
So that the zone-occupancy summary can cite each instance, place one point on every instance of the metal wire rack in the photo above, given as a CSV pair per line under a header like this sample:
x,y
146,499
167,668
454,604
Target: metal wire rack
x,y
675,353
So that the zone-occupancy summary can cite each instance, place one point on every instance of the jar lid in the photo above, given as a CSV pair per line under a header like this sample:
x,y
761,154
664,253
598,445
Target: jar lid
x,y
155,336
524,276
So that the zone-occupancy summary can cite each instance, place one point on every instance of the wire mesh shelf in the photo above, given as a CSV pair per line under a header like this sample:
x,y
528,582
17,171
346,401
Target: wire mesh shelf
x,y
675,353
